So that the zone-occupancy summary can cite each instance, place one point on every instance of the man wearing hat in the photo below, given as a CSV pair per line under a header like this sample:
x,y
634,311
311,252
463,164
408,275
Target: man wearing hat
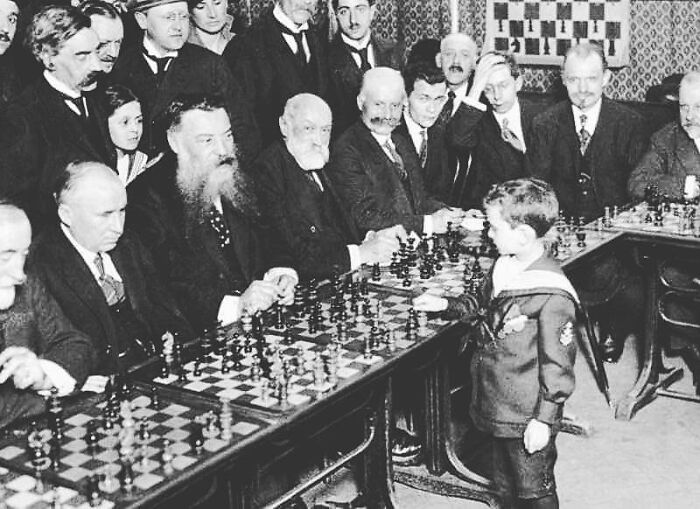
x,y
164,65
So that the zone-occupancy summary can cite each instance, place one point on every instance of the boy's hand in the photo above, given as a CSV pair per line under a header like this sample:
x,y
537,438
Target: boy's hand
x,y
536,436
431,303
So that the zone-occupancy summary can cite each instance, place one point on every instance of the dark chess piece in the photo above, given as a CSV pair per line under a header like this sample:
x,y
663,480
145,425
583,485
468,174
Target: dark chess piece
x,y
126,476
92,437
376,272
144,431
54,454
164,370
610,349
93,494
197,438
54,410
155,399
581,237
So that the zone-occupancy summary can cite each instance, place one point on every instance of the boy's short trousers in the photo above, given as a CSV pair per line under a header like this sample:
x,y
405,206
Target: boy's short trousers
x,y
520,474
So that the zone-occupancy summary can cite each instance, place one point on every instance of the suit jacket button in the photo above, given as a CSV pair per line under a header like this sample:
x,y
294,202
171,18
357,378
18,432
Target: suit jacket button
x,y
313,229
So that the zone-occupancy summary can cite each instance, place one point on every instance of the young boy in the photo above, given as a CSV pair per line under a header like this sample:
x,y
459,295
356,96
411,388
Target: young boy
x,y
523,365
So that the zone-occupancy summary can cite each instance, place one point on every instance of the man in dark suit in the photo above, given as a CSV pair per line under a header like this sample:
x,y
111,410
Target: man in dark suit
x,y
52,123
354,50
504,132
672,163
281,55
102,278
107,24
426,89
39,348
164,66
466,78
302,204
201,222
586,148
377,171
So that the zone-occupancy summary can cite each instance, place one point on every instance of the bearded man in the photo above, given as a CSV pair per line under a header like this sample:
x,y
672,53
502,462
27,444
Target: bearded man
x,y
201,221
302,203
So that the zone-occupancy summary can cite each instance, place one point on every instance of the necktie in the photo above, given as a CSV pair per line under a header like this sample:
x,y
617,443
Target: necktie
x,y
584,137
314,177
299,40
446,112
216,219
112,289
364,59
423,153
161,64
79,103
510,137
396,159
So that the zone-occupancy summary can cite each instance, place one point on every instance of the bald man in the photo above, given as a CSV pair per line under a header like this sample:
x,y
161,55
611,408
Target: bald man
x,y
39,347
673,161
301,202
102,278
377,172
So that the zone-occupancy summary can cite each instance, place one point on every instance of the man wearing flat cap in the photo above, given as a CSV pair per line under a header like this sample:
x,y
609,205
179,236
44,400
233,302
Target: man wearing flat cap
x,y
164,66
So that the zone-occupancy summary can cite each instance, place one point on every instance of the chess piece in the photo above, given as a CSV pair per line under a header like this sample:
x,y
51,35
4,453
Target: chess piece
x,y
166,457
391,341
91,437
226,419
197,438
94,495
155,398
376,272
211,428
55,414
54,454
423,329
126,475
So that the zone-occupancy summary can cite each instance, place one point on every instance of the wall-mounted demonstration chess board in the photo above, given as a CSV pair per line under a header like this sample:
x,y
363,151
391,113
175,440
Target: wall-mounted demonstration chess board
x,y
539,32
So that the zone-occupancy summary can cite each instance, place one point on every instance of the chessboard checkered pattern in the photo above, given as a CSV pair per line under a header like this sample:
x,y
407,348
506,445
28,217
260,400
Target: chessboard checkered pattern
x,y
240,388
394,316
19,491
640,218
171,420
539,32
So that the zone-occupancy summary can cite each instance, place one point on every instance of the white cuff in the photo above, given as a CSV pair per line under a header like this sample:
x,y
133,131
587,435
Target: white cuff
x,y
276,272
59,377
474,104
428,225
355,258
229,309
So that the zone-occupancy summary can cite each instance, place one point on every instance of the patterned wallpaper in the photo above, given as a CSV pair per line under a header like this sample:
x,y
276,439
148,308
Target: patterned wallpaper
x,y
665,37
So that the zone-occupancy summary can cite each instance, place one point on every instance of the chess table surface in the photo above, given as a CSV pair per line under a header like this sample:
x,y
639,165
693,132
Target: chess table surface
x,y
173,419
641,219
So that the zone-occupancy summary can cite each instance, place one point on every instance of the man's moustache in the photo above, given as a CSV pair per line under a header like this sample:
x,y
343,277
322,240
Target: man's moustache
x,y
227,161
456,68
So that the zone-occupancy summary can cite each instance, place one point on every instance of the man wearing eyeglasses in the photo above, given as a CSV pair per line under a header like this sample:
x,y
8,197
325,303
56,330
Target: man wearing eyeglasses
x,y
164,66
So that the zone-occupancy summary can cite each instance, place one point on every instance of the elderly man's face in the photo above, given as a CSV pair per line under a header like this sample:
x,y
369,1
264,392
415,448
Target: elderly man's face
x,y
501,89
299,11
307,134
110,33
457,58
204,140
76,63
426,102
167,25
689,104
355,17
585,78
382,106
15,237
93,211
8,24
210,16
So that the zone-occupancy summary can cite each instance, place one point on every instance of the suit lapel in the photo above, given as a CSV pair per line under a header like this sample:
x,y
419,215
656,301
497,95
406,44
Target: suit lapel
x,y
569,134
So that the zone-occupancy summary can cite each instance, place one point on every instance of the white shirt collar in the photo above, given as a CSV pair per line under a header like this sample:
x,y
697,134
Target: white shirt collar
x,y
282,17
697,143
514,120
382,138
591,114
362,43
461,91
60,86
89,257
414,130
156,52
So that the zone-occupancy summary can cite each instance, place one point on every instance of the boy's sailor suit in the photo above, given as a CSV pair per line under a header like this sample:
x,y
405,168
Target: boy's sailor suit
x,y
523,364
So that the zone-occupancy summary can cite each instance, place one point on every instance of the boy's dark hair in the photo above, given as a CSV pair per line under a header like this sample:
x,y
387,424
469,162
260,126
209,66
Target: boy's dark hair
x,y
116,96
529,201
426,71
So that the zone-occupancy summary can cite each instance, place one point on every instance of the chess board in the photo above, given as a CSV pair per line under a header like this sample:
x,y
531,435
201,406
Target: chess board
x,y
20,491
170,420
663,219
241,387
539,32
452,280
394,312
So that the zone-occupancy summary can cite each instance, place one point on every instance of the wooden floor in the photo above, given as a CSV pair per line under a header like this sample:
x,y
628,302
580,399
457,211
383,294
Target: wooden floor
x,y
651,462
